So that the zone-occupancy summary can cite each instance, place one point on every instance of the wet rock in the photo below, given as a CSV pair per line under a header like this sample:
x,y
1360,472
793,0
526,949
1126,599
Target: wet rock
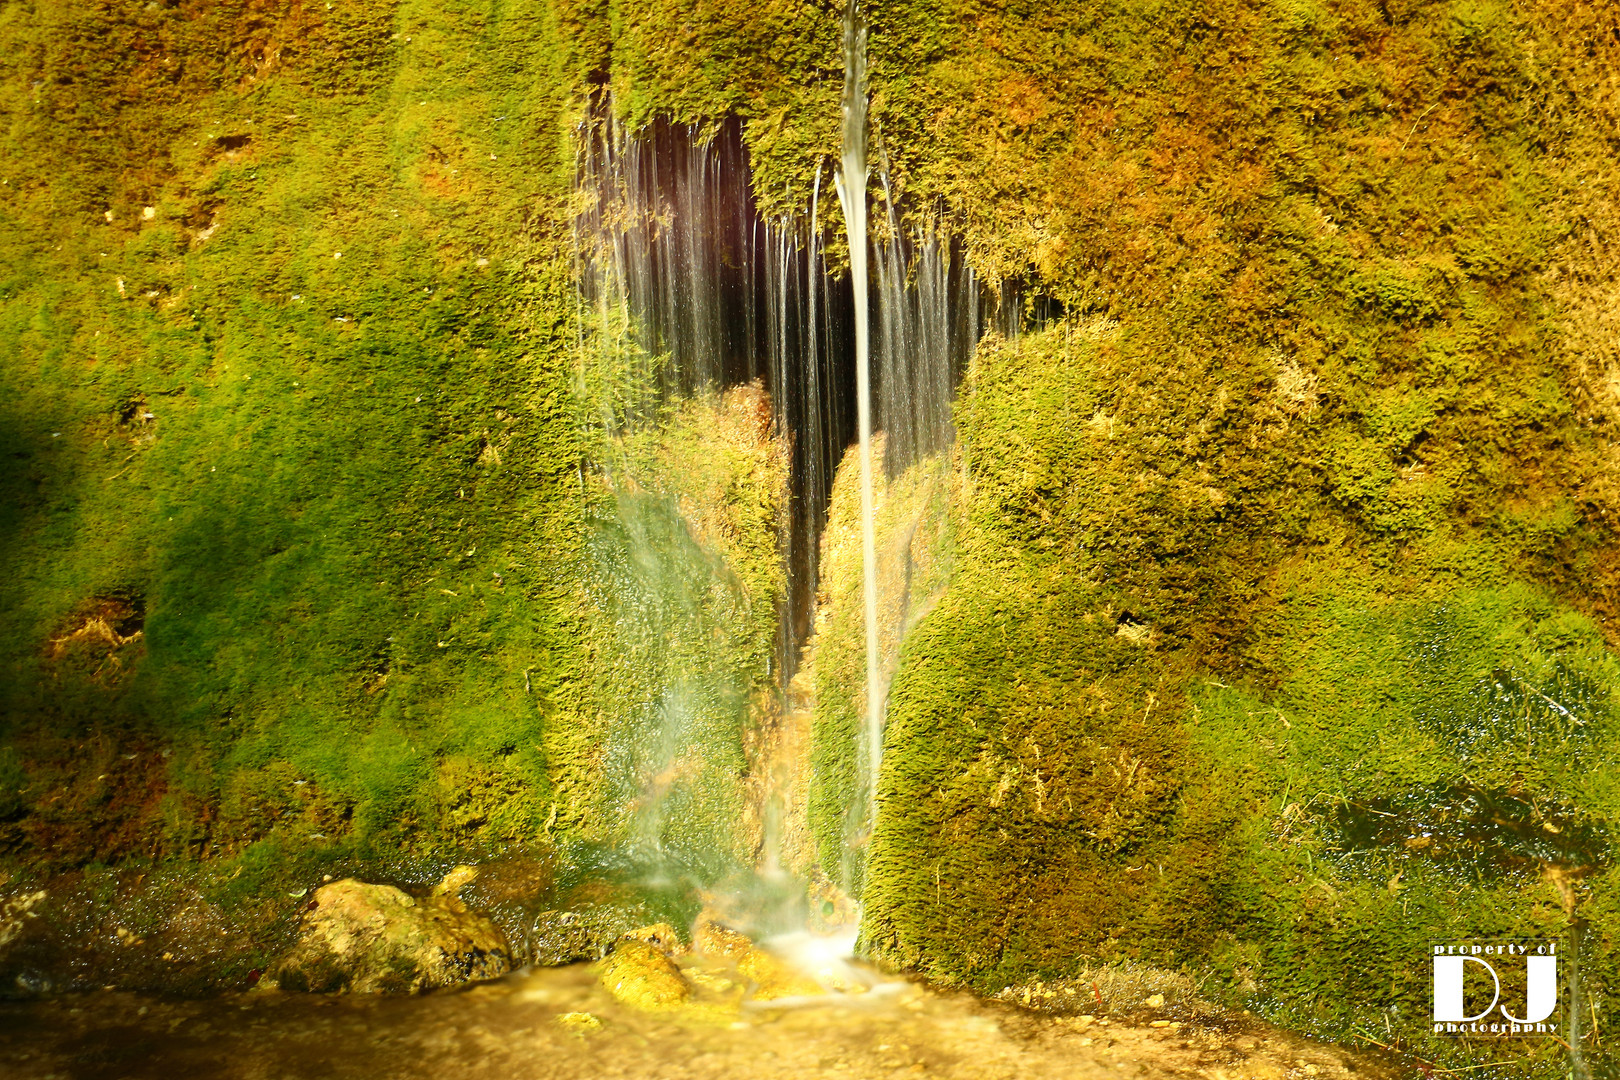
x,y
660,936
517,878
565,937
716,940
516,892
640,975
365,938
581,1022
15,912
831,909
33,983
773,979
716,980
455,881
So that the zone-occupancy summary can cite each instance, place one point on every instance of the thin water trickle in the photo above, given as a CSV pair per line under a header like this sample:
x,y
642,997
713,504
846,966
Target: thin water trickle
x,y
852,178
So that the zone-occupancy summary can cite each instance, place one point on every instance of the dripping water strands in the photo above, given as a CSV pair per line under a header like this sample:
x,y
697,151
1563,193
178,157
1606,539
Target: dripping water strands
x,y
928,323
666,260
687,291
918,310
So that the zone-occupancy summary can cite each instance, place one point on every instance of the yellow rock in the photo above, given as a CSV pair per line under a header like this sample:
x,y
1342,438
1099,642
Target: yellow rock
x,y
712,980
454,880
660,936
579,1021
716,940
639,975
363,938
774,979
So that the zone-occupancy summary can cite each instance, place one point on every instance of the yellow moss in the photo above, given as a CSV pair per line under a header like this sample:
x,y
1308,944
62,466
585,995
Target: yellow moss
x,y
641,976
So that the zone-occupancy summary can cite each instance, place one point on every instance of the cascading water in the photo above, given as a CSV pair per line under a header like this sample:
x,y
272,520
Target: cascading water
x,y
686,290
677,263
912,344
928,324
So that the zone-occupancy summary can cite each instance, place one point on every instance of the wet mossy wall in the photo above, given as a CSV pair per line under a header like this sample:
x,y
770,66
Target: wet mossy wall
x,y
1327,433
302,495
1067,784
294,487
288,428
912,524
682,579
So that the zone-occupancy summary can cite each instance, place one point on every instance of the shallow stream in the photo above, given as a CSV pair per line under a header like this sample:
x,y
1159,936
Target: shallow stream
x,y
562,1023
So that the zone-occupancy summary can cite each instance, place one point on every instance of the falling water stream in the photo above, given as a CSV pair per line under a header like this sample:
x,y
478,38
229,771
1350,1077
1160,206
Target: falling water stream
x,y
852,194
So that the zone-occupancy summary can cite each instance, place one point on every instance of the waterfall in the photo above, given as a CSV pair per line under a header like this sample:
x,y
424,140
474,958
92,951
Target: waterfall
x,y
687,290
669,237
852,196
691,290
928,319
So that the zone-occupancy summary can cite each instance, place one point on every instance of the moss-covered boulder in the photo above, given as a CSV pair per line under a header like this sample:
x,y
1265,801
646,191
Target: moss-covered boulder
x,y
362,938
641,975
1405,744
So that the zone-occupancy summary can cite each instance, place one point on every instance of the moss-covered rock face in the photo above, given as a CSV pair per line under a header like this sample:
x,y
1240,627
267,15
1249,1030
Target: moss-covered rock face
x,y
1147,721
289,436
314,555
1300,516
1313,478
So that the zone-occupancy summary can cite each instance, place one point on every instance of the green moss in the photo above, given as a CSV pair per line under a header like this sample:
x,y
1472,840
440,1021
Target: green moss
x,y
1071,778
1400,698
915,544
677,609
13,781
309,418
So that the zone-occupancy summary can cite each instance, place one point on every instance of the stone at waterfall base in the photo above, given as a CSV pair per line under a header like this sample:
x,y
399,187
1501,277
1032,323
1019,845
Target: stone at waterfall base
x,y
717,940
640,975
660,936
363,939
580,1022
587,932
774,979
